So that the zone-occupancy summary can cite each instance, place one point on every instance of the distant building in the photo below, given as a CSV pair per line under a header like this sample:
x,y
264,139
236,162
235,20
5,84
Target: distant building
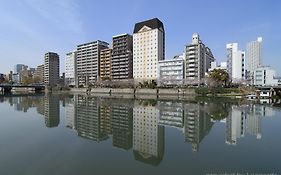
x,y
106,64
88,62
266,76
17,77
171,72
214,65
51,69
10,76
254,55
198,60
122,57
2,78
71,69
19,68
39,73
235,63
148,48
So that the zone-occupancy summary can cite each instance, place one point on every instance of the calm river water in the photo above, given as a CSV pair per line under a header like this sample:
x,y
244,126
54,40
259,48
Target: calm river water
x,y
81,135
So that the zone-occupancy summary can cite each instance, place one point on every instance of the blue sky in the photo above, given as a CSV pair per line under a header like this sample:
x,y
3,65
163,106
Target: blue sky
x,y
29,28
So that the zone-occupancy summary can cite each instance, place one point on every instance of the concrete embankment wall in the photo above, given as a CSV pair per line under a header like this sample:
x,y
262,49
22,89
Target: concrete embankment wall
x,y
154,92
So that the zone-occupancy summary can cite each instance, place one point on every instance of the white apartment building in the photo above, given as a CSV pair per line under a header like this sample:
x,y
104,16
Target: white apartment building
x,y
235,63
171,72
70,68
266,76
88,61
148,48
254,55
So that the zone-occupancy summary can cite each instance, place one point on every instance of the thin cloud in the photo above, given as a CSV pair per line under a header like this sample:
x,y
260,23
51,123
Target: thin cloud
x,y
258,27
63,13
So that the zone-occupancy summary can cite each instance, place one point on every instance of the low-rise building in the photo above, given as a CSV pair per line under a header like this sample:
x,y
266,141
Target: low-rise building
x,y
266,76
171,72
215,65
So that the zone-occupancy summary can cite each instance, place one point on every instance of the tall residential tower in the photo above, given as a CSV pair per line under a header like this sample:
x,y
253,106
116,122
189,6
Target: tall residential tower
x,y
51,69
88,61
122,57
71,68
235,63
254,55
148,48
198,60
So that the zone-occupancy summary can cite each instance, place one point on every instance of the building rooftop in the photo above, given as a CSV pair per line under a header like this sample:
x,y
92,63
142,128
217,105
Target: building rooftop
x,y
154,23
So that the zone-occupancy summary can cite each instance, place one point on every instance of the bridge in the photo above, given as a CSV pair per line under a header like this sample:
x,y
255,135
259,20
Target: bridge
x,y
271,90
6,88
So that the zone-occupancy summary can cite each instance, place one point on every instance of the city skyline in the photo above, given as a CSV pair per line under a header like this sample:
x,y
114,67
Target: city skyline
x,y
34,28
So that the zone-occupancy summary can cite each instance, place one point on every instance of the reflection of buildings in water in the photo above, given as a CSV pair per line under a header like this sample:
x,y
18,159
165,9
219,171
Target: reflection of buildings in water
x,y
246,119
122,126
197,123
17,103
25,102
40,106
171,114
235,125
148,136
105,118
87,122
51,111
70,112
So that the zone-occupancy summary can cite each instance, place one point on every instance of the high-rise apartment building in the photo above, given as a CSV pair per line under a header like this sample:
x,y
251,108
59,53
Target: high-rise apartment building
x,y
88,61
254,55
198,60
106,64
235,63
122,57
148,48
51,69
71,69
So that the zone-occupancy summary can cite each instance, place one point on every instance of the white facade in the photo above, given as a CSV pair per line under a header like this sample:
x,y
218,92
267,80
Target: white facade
x,y
148,49
266,76
171,72
214,65
70,68
235,62
254,55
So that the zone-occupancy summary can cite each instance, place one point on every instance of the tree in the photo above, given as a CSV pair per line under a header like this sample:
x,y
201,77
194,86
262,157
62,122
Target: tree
x,y
219,76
